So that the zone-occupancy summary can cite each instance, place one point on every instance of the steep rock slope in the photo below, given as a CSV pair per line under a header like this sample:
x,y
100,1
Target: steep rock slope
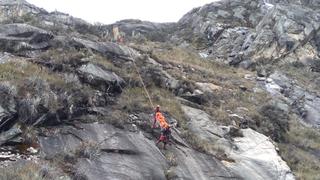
x,y
253,32
72,102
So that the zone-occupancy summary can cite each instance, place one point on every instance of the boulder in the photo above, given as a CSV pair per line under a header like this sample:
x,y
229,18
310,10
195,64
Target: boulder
x,y
208,87
22,37
10,134
155,74
199,97
8,112
99,77
201,124
108,49
256,158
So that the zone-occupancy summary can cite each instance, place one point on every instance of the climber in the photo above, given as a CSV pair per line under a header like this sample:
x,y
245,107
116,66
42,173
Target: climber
x,y
165,128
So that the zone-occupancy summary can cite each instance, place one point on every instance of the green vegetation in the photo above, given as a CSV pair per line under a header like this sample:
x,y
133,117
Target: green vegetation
x,y
198,68
135,100
301,151
304,76
65,56
19,71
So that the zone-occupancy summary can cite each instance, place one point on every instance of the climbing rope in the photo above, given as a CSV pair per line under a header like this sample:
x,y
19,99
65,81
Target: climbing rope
x,y
141,80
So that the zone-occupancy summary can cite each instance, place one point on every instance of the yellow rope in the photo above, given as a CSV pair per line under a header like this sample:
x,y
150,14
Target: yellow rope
x,y
144,86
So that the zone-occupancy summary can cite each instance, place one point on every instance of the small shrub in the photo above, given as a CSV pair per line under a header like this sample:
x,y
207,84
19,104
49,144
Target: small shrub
x,y
275,122
196,142
117,118
303,163
90,150
23,171
172,160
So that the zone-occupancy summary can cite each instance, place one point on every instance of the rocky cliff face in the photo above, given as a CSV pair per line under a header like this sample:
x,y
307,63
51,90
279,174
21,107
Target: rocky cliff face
x,y
237,80
248,33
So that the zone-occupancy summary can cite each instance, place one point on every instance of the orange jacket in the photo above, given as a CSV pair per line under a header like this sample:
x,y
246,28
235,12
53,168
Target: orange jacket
x,y
162,121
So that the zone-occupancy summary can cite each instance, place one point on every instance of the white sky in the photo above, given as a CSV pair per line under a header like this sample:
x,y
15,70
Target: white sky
x,y
109,11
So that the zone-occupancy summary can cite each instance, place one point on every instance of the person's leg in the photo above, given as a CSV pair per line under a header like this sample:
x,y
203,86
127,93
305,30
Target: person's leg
x,y
161,138
158,141
167,135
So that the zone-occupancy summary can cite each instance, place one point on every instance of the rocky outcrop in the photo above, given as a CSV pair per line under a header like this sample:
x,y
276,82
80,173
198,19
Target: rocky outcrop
x,y
11,9
159,77
119,154
94,79
246,33
108,49
99,77
110,153
10,134
21,37
140,30
202,125
8,112
190,164
253,156
256,157
303,102
20,11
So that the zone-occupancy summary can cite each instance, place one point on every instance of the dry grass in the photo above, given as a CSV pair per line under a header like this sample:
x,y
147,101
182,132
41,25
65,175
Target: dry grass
x,y
204,146
304,164
65,56
196,69
25,75
73,57
171,158
134,100
302,75
201,69
27,171
19,71
303,136
301,151
169,104
88,149
117,118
